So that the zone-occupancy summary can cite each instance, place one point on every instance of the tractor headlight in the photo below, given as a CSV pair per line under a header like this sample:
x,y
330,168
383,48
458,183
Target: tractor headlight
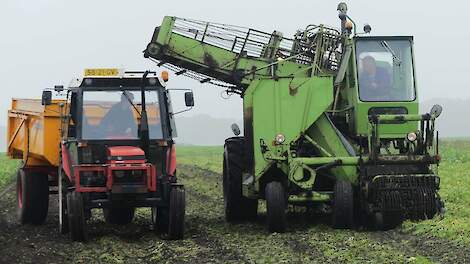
x,y
280,138
411,136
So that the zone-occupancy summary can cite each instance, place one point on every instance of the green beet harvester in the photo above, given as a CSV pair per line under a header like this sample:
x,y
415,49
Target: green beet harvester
x,y
330,118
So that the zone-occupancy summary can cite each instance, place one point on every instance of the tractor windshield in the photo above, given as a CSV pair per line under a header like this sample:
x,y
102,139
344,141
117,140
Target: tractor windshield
x,y
385,70
116,114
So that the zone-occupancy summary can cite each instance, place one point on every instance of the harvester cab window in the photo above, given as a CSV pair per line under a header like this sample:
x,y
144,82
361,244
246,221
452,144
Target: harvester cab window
x,y
116,114
385,70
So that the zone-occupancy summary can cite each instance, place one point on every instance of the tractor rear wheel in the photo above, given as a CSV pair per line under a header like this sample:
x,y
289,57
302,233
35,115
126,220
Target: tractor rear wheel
x,y
237,207
76,216
119,216
343,205
170,220
32,192
276,205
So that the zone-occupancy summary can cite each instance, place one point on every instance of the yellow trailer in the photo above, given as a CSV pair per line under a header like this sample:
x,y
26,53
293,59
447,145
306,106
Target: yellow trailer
x,y
34,132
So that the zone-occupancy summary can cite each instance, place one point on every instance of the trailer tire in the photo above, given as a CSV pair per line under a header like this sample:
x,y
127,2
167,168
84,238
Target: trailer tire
x,y
343,205
119,216
32,197
237,207
76,217
276,205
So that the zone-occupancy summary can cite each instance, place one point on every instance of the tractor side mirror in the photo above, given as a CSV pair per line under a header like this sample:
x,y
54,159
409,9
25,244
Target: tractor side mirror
x,y
189,99
46,98
436,110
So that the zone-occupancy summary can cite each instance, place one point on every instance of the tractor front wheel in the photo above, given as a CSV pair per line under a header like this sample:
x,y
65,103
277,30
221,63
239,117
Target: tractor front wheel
x,y
170,220
63,218
276,205
76,217
343,205
32,192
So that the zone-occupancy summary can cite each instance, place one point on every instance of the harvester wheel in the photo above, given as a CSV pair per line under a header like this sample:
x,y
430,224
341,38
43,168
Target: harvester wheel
x,y
343,205
170,220
63,219
237,207
76,216
387,220
32,192
276,205
119,216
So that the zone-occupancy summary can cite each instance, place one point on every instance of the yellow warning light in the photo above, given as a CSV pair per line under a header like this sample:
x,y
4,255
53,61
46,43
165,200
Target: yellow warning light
x,y
164,76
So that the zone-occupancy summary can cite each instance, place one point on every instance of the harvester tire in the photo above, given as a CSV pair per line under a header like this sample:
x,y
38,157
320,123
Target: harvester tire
x,y
119,216
237,207
32,192
170,220
343,205
76,217
276,205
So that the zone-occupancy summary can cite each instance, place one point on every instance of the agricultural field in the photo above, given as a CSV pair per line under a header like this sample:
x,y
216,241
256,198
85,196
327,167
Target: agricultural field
x,y
209,239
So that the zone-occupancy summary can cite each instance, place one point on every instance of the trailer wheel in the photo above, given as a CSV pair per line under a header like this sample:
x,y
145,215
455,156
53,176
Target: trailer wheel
x,y
76,216
170,220
32,192
237,207
343,205
276,205
119,216
63,218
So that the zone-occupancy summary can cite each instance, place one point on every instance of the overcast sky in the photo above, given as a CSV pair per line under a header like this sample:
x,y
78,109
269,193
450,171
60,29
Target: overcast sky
x,y
45,42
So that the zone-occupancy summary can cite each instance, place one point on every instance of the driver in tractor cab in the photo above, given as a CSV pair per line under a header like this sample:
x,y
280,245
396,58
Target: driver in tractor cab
x,y
120,119
375,81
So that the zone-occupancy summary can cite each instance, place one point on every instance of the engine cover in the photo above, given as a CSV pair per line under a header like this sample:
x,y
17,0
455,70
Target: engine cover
x,y
125,154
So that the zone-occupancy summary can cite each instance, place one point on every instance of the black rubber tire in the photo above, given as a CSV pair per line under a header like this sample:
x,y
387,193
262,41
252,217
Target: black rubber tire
x,y
177,213
343,205
276,205
170,220
237,207
32,197
119,216
62,201
387,220
76,217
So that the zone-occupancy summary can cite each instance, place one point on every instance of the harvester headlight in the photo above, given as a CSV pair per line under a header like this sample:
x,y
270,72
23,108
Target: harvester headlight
x,y
280,138
411,136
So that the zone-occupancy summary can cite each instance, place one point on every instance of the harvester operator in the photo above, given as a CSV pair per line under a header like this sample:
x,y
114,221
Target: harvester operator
x,y
374,81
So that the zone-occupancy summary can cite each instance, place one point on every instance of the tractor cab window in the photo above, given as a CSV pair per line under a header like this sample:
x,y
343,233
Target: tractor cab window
x,y
385,70
117,114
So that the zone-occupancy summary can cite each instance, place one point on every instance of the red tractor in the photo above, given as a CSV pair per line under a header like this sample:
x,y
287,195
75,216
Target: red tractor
x,y
107,144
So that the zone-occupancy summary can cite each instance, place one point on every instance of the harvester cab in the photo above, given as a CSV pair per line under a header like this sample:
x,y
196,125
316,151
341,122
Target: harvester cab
x,y
330,118
115,132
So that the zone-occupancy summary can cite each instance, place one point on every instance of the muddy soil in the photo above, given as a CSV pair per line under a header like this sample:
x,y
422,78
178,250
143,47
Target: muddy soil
x,y
209,239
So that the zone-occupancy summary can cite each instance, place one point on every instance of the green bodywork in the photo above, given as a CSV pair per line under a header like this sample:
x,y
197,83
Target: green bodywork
x,y
283,95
